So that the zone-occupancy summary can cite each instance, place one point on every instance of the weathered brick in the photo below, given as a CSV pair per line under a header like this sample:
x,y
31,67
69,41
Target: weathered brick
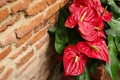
x,y
21,41
53,19
2,68
50,2
6,75
9,23
16,54
8,39
2,2
4,53
3,14
52,10
22,30
36,8
23,69
37,36
63,3
20,5
6,25
24,59
42,42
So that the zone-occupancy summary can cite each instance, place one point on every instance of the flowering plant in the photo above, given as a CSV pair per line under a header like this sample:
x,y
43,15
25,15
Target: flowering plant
x,y
87,32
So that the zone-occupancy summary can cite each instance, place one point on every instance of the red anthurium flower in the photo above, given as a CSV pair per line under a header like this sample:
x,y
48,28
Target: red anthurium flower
x,y
79,4
106,16
90,32
74,62
96,49
85,14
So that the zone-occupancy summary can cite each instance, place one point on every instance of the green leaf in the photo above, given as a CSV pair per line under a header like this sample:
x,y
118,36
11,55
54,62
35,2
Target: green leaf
x,y
113,65
114,8
84,76
115,25
61,36
115,31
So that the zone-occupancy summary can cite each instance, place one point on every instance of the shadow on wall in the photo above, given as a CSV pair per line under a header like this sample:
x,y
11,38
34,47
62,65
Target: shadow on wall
x,y
52,67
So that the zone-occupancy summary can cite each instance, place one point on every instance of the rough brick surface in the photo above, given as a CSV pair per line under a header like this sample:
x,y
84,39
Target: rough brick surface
x,y
7,73
40,6
3,14
26,50
50,2
5,52
24,59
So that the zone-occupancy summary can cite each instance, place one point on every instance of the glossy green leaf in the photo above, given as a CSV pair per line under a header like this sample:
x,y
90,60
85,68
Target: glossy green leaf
x,y
84,76
113,65
61,36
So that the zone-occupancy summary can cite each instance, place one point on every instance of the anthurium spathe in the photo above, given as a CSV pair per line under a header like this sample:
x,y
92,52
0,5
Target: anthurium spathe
x,y
106,15
85,14
90,32
95,49
74,61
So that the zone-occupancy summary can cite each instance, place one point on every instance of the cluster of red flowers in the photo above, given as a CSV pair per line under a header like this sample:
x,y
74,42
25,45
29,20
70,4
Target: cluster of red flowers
x,y
89,16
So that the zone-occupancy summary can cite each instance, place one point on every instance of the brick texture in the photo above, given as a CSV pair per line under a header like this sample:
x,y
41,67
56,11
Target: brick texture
x,y
26,50
3,14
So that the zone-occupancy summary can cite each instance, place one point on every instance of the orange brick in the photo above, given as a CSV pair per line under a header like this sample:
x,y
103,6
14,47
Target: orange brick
x,y
2,68
6,25
21,5
14,56
50,2
3,28
42,42
63,3
3,14
2,2
5,53
37,36
53,19
36,8
23,30
21,41
7,73
8,39
52,10
23,69
24,59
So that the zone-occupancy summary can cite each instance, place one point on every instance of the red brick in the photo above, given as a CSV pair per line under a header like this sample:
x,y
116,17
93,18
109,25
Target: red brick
x,y
7,73
20,5
24,59
36,8
21,41
16,54
2,68
52,10
22,30
37,36
50,2
5,53
8,39
3,14
42,42
23,69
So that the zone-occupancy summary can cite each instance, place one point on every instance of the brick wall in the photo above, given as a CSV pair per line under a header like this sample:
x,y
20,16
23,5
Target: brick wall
x,y
25,49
